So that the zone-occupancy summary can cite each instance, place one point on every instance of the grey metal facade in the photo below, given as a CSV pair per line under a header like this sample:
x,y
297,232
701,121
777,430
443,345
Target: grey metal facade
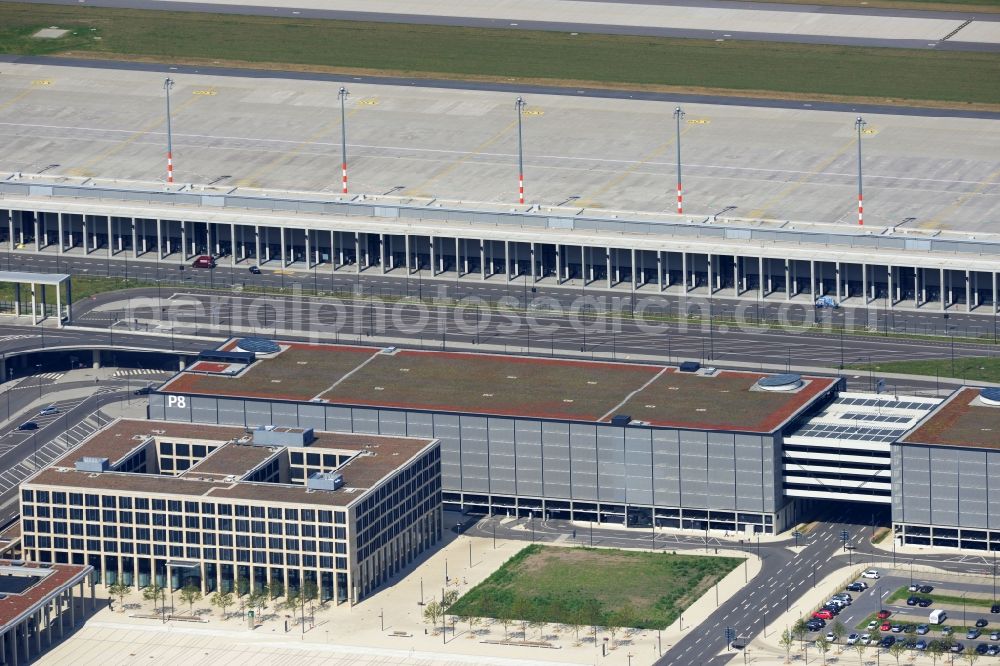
x,y
946,495
490,460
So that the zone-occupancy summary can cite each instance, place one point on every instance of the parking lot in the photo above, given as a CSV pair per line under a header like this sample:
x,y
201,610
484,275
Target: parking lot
x,y
966,601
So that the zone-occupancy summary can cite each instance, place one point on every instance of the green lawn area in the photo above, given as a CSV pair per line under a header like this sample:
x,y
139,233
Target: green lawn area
x,y
972,602
926,5
952,78
588,586
972,368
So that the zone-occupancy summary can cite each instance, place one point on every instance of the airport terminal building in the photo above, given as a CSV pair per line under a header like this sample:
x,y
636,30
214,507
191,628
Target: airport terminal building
x,y
582,440
224,507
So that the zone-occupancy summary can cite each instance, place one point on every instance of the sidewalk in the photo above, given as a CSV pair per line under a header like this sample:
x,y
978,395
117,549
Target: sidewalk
x,y
356,635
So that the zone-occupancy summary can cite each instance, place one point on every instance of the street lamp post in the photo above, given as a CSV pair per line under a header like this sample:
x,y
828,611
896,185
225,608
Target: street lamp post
x,y
860,125
678,115
519,105
342,94
168,83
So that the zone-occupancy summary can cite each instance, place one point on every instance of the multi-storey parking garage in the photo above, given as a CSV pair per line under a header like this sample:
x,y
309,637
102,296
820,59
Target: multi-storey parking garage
x,y
622,443
641,252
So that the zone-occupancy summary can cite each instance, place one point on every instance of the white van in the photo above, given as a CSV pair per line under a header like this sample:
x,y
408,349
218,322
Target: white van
x,y
937,616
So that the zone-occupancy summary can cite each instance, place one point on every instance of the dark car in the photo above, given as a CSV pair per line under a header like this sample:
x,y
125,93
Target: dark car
x,y
28,425
909,628
145,390
982,648
255,270
995,608
888,641
981,622
957,648
925,602
920,645
926,589
993,650
855,587
912,601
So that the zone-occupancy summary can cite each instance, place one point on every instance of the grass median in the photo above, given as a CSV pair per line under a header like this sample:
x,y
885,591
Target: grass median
x,y
888,75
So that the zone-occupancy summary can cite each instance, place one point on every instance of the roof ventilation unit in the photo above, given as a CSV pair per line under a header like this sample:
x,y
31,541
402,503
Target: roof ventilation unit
x,y
258,346
92,464
789,382
325,481
620,420
689,366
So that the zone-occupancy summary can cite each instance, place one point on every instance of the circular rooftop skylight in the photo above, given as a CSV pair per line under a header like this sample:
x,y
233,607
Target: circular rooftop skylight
x,y
258,345
788,382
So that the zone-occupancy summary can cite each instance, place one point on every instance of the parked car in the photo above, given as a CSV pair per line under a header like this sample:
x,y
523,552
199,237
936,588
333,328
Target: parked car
x,y
28,425
913,587
896,629
920,645
888,641
255,270
823,614
995,608
926,589
912,601
909,628
204,261
925,602
981,648
144,390
993,650
995,636
857,587
981,622
831,637
872,626
852,639
947,631
957,648
885,626
883,614
48,411
922,629
973,634
871,573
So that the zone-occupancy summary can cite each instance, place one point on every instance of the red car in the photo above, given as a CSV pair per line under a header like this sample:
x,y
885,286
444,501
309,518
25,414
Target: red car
x,y
823,615
883,614
885,627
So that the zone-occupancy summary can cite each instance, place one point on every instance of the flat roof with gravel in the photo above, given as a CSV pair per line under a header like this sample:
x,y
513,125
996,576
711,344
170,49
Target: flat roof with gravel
x,y
961,420
529,387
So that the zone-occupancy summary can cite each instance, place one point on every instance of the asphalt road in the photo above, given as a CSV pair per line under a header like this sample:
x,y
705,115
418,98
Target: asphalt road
x,y
167,68
520,23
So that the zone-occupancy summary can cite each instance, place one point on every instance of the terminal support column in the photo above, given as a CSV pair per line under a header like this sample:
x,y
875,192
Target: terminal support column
x,y
558,264
995,280
506,259
184,254
38,239
10,227
534,269
482,258
283,249
110,239
736,276
232,245
59,223
684,272
458,258
864,284
916,287
968,292
944,300
788,280
837,282
406,248
659,269
889,278
135,243
357,252
434,268
760,273
607,257
635,270
382,253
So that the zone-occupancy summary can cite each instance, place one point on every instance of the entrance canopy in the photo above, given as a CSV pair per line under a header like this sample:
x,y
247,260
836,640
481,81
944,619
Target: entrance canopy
x,y
17,278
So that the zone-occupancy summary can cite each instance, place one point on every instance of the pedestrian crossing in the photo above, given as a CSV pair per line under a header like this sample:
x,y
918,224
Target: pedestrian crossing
x,y
132,372
50,375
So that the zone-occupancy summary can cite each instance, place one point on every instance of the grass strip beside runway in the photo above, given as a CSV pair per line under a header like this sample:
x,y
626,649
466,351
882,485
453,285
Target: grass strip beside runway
x,y
971,368
819,72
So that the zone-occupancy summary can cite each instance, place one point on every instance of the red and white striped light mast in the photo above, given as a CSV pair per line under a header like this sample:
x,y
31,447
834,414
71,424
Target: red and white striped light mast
x,y
168,83
343,138
678,115
860,125
519,106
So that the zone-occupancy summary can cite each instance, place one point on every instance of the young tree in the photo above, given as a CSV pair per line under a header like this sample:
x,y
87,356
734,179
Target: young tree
x,y
222,600
505,617
577,619
823,646
626,617
154,593
432,613
838,630
190,594
897,650
539,625
799,630
242,586
970,655
276,588
307,597
449,598
474,621
786,641
120,590
936,650
521,609
860,648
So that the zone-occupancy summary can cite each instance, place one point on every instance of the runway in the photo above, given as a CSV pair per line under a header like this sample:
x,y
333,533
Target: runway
x,y
677,19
